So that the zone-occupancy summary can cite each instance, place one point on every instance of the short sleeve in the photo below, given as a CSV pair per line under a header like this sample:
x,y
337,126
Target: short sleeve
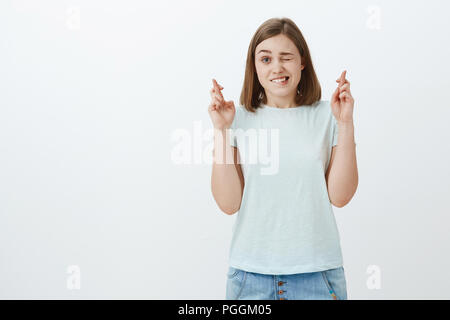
x,y
233,139
335,131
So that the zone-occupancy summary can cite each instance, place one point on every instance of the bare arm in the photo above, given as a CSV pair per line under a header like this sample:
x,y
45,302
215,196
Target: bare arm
x,y
227,181
342,172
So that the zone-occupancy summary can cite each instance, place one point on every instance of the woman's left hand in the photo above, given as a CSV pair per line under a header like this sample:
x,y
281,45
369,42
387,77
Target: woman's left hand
x,y
342,102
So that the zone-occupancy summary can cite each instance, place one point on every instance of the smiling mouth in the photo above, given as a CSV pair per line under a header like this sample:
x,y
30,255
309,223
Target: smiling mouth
x,y
284,82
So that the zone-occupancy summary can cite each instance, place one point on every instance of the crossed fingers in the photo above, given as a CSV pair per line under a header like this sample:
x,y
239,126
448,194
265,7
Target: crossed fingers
x,y
344,86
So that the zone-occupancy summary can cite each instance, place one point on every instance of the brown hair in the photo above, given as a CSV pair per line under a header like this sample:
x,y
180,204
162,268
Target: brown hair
x,y
253,93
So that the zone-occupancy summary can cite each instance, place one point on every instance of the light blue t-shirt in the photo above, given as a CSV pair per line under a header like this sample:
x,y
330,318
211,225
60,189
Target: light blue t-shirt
x,y
285,224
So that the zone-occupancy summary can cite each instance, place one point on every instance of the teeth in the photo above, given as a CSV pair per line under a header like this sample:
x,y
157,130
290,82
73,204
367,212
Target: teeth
x,y
279,80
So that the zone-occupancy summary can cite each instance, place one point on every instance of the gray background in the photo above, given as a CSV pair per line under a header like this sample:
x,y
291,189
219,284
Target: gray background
x,y
91,93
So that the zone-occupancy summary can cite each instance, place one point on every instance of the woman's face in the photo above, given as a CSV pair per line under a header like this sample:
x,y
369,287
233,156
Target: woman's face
x,y
276,57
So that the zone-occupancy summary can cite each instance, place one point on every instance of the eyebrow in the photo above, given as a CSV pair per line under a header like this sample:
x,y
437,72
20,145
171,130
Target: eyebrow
x,y
281,53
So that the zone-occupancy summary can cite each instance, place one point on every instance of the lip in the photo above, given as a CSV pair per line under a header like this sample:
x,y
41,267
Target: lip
x,y
280,77
280,84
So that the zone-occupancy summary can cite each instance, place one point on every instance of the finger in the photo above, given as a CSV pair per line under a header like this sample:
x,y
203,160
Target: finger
x,y
218,102
346,81
339,80
345,95
217,87
334,96
214,107
342,80
229,104
213,93
219,96
345,87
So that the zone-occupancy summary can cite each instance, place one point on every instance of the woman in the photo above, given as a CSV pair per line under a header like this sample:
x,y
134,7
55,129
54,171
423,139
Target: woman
x,y
285,242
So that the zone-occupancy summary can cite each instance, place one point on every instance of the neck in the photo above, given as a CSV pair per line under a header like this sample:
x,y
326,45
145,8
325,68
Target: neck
x,y
281,102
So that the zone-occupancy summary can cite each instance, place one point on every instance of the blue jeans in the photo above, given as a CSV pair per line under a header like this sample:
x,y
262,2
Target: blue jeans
x,y
321,285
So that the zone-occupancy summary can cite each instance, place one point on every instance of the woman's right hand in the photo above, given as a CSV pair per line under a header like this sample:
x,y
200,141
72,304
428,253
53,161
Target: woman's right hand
x,y
221,112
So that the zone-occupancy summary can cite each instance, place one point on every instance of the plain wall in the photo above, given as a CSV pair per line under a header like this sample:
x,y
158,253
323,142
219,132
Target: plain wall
x,y
92,93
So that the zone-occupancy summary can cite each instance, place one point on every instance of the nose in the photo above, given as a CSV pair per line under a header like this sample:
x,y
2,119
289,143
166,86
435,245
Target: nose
x,y
278,67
